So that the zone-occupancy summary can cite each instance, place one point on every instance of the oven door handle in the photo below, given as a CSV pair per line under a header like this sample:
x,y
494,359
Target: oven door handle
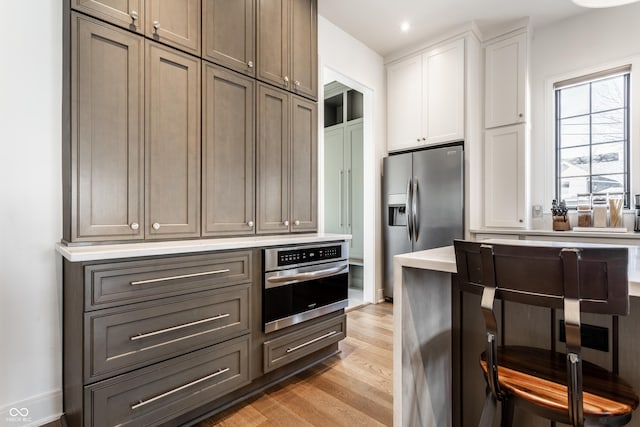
x,y
300,277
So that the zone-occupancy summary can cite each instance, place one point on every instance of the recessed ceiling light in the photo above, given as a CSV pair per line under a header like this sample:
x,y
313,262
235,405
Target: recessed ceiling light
x,y
405,26
602,3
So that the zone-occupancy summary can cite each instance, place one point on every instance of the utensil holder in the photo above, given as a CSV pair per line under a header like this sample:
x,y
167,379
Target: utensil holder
x,y
561,223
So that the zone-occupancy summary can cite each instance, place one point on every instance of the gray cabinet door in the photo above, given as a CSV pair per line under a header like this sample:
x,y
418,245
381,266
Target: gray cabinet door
x,y
272,166
227,153
123,13
107,131
304,48
228,33
273,42
288,45
172,143
304,166
176,23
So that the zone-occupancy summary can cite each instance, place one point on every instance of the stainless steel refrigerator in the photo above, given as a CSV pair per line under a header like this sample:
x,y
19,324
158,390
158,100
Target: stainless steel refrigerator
x,y
423,202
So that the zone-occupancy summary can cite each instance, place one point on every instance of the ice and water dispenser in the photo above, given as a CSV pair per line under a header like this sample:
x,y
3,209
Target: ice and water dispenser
x,y
398,214
636,226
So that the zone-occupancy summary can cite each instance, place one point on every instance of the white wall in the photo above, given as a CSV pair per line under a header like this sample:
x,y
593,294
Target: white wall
x,y
30,213
587,42
341,53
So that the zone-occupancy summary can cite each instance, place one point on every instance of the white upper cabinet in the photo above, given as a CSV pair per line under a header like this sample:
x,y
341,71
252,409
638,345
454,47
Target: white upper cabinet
x,y
444,93
425,98
404,104
505,84
505,177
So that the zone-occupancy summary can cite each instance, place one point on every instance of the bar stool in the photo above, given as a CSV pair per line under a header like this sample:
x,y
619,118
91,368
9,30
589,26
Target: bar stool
x,y
557,386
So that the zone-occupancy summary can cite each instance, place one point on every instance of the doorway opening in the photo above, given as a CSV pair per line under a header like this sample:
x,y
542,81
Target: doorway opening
x,y
344,176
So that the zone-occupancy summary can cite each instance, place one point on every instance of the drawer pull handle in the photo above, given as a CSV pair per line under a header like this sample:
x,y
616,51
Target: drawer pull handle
x,y
175,328
182,276
298,347
141,403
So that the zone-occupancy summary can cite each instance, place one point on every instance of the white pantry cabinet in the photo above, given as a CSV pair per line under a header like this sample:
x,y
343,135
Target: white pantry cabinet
x,y
505,177
505,81
425,98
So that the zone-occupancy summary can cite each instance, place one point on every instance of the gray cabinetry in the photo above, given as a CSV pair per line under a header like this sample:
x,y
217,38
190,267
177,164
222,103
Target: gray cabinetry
x,y
287,45
304,165
272,165
172,149
128,14
141,166
287,348
286,162
176,23
106,159
158,393
124,338
228,146
228,34
148,340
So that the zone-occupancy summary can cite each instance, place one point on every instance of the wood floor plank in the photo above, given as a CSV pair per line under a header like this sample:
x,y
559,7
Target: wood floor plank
x,y
353,388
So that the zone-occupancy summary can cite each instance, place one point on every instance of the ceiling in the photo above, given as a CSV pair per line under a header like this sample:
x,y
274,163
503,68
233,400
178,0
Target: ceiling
x,y
376,23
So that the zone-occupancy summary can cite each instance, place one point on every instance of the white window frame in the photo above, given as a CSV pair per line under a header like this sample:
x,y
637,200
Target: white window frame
x,y
550,123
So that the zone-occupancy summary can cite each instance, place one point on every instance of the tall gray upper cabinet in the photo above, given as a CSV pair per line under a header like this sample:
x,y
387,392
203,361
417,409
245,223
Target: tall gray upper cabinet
x,y
107,130
287,45
176,23
161,112
286,162
228,34
172,143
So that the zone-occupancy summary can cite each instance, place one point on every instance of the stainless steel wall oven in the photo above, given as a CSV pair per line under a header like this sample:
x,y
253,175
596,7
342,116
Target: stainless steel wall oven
x,y
303,282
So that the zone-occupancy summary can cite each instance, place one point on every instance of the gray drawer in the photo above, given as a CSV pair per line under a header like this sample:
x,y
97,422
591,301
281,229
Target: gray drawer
x,y
157,393
109,285
128,337
290,347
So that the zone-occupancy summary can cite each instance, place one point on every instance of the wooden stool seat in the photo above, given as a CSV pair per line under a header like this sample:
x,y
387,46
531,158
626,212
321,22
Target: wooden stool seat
x,y
540,377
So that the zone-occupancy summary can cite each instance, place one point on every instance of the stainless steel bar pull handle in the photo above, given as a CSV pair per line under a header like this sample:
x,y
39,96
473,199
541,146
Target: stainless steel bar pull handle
x,y
181,276
407,210
349,201
320,338
415,214
142,403
340,197
178,327
306,276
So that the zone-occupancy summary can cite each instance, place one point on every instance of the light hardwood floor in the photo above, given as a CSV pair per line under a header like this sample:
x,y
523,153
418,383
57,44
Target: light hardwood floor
x,y
353,388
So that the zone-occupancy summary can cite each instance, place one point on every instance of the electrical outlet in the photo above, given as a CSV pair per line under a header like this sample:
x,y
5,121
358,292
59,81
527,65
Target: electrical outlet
x,y
536,211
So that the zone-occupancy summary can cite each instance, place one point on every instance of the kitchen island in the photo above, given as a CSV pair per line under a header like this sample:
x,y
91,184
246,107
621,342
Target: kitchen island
x,y
438,338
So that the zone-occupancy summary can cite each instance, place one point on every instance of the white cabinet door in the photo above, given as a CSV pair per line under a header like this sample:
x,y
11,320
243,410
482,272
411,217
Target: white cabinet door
x,y
505,81
355,189
334,180
444,93
504,180
404,104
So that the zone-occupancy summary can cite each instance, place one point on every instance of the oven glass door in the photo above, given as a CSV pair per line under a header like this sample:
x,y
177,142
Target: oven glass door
x,y
289,293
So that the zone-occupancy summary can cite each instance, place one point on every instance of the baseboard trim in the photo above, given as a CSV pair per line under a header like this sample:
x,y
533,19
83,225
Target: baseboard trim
x,y
33,411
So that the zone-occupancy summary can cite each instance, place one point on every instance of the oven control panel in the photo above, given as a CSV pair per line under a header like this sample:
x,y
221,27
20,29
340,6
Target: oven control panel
x,y
311,254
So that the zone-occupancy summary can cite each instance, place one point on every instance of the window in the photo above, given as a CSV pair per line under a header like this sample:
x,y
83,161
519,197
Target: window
x,y
592,136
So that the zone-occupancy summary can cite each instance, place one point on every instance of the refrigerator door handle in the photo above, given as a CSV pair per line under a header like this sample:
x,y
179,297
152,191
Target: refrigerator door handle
x,y
414,209
408,210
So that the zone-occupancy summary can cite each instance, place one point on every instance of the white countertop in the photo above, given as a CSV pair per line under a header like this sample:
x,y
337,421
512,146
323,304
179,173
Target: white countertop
x,y
97,252
630,234
443,259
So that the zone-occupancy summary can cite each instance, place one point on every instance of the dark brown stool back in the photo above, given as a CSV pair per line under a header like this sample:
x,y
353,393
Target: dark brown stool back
x,y
576,280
